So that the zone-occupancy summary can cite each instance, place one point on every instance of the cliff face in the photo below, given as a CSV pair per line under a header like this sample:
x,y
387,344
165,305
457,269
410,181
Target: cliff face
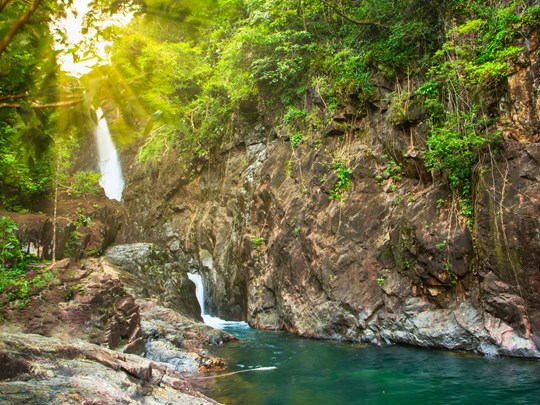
x,y
394,260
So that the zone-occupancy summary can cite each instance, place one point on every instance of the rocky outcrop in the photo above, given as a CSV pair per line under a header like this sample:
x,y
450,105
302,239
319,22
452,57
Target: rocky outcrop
x,y
48,370
391,259
152,272
507,227
168,305
61,323
73,299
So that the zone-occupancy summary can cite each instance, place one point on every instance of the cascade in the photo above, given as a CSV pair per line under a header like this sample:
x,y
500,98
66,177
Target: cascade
x,y
210,320
111,179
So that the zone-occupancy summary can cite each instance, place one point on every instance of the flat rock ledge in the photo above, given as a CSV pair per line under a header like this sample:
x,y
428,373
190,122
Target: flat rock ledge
x,y
36,369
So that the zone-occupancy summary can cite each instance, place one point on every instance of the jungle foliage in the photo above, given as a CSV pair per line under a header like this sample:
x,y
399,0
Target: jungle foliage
x,y
185,75
41,108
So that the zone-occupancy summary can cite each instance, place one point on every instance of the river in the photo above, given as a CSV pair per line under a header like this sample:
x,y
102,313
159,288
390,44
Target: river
x,y
317,373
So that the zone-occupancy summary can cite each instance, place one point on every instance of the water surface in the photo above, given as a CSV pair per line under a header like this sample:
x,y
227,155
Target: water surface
x,y
315,372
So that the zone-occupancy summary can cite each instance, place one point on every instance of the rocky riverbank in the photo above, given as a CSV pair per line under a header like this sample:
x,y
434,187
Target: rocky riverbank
x,y
102,330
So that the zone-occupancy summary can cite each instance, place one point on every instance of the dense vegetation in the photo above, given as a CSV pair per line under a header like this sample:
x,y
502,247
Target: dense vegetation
x,y
186,75
194,72
42,111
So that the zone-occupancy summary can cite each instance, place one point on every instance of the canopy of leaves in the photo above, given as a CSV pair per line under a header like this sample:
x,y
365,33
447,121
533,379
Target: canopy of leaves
x,y
183,72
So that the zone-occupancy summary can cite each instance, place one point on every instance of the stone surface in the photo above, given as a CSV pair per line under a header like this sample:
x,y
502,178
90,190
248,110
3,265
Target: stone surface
x,y
39,369
152,272
58,338
36,230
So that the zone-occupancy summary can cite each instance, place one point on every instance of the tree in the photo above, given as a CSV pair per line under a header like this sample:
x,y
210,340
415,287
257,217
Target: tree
x,y
17,24
33,90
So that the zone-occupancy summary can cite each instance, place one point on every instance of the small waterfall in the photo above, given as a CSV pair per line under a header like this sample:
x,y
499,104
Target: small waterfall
x,y
111,179
210,320
199,289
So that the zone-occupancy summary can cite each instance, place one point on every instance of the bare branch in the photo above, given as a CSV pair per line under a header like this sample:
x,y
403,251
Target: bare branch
x,y
13,97
357,22
48,105
17,24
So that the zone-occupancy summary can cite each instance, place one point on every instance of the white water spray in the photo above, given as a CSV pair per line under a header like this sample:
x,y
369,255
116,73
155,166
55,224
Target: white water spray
x,y
210,320
111,179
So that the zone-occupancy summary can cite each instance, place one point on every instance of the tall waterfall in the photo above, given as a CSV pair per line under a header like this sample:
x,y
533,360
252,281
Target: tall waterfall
x,y
210,320
111,179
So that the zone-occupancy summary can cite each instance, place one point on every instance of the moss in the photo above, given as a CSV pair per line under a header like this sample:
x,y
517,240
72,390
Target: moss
x,y
506,259
404,248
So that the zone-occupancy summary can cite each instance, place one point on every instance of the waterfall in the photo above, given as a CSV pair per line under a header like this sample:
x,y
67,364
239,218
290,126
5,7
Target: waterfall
x,y
210,320
199,289
111,179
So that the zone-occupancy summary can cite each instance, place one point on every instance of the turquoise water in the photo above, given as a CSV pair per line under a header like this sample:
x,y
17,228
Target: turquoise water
x,y
318,373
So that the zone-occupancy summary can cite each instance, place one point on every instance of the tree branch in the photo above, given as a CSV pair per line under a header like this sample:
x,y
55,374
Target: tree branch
x,y
3,4
17,24
13,97
357,22
48,105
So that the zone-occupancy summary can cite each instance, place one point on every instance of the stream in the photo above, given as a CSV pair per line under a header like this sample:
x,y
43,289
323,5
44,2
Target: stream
x,y
317,372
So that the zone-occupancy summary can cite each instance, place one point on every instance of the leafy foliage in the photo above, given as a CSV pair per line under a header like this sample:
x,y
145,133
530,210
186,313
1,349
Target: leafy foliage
x,y
467,68
184,76
85,183
12,261
343,174
32,93
257,242
10,249
454,148
204,66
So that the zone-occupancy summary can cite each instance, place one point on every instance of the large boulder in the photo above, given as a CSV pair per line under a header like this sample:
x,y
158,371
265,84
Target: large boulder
x,y
152,272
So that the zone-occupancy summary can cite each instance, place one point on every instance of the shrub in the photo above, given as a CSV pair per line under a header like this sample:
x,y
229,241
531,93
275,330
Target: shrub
x,y
85,183
13,261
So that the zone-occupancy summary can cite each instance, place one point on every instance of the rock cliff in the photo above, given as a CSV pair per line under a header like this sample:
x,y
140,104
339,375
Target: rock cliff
x,y
391,259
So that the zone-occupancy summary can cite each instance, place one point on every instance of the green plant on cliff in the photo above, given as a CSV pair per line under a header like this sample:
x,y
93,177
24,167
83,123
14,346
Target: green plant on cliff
x,y
296,139
343,174
455,149
467,70
257,242
394,170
